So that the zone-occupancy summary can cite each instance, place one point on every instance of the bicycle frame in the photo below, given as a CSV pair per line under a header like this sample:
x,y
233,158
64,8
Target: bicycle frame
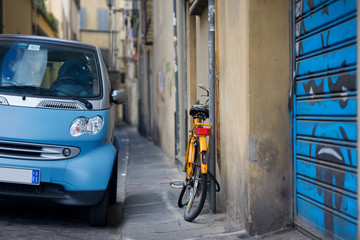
x,y
199,132
194,188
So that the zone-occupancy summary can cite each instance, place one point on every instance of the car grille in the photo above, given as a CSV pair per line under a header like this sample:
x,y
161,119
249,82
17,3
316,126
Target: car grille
x,y
61,105
34,151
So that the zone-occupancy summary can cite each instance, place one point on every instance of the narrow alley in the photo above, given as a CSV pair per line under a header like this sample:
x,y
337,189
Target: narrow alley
x,y
150,209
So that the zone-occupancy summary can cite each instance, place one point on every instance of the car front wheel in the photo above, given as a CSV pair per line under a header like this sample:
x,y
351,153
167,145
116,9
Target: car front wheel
x,y
98,213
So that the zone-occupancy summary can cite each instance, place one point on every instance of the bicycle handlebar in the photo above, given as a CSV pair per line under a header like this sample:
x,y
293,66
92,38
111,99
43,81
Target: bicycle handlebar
x,y
204,88
206,104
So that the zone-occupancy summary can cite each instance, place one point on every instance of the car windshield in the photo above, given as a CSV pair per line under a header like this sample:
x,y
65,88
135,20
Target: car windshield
x,y
48,70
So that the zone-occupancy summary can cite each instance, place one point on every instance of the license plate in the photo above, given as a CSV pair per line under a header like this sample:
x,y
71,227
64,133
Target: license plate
x,y
20,175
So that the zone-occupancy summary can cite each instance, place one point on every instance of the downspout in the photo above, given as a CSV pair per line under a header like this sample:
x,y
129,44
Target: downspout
x,y
185,77
149,95
176,83
211,17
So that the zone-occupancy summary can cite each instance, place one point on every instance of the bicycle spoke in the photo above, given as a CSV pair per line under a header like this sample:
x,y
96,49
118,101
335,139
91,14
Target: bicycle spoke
x,y
197,194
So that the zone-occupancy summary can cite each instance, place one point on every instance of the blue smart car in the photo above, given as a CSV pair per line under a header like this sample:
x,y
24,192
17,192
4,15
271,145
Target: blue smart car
x,y
56,126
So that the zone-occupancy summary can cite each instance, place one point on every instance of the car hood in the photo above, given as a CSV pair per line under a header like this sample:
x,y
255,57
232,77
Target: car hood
x,y
49,126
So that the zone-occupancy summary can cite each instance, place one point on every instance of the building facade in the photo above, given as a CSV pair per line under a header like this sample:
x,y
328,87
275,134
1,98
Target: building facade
x,y
285,105
107,24
32,18
66,13
95,27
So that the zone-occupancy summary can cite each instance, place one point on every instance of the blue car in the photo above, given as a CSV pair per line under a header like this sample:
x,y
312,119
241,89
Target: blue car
x,y
57,119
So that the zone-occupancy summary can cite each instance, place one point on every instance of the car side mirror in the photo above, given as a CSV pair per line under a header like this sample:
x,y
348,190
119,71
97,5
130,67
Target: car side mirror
x,y
119,97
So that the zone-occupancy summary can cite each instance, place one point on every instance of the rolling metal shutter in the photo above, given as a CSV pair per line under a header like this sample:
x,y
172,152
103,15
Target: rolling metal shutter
x,y
325,118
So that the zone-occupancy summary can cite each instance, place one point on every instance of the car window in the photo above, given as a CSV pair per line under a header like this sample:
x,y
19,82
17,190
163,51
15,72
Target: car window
x,y
44,69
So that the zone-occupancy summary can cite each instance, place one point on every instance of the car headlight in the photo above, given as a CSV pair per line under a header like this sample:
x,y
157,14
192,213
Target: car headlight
x,y
86,125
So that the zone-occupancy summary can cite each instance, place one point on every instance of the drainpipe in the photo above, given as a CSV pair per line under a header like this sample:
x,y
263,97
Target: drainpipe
x,y
211,17
176,83
185,77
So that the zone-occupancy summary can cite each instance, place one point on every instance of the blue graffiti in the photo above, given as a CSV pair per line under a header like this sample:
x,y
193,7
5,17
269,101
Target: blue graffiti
x,y
326,113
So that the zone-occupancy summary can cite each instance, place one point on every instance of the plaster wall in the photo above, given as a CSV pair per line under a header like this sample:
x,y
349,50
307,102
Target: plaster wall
x,y
163,120
143,112
202,54
232,41
181,50
57,7
91,35
253,74
21,24
255,150
43,25
269,117
67,14
101,39
74,21
191,59
91,12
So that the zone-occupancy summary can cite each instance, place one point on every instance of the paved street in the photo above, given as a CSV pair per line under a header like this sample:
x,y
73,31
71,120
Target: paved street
x,y
151,210
146,207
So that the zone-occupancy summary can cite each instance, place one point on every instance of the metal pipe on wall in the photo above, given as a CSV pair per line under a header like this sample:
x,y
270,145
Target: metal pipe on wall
x,y
185,77
211,17
177,141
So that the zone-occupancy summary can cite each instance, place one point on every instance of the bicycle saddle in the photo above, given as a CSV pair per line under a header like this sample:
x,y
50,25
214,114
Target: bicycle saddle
x,y
194,111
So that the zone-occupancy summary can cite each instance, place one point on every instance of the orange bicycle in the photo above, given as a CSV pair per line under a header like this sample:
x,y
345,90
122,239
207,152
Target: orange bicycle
x,y
194,188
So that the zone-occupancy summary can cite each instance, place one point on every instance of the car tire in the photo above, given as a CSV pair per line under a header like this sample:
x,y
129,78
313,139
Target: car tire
x,y
113,184
98,213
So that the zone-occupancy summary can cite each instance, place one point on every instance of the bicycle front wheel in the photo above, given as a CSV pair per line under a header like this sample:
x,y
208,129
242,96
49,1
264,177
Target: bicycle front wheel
x,y
184,196
197,190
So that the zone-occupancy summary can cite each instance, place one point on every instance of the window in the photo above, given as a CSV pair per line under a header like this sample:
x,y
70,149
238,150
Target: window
x,y
48,70
83,18
103,19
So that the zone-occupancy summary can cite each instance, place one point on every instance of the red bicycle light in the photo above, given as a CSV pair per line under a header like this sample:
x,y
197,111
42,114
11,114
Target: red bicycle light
x,y
203,131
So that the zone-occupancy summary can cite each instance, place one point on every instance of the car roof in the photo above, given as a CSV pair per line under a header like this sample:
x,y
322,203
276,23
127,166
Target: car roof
x,y
19,37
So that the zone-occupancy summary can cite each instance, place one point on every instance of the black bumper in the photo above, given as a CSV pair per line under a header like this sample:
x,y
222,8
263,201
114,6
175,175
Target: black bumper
x,y
49,193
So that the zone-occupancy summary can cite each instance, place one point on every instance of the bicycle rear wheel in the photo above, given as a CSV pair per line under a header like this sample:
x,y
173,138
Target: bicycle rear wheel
x,y
197,190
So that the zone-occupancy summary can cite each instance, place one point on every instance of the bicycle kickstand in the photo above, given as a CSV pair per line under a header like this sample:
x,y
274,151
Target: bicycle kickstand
x,y
176,184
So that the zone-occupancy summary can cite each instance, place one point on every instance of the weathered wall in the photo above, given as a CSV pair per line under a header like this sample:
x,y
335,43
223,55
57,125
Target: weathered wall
x,y
269,117
191,59
101,39
91,12
232,52
17,20
163,88
254,116
142,89
58,8
253,70
202,54
181,50
66,12
91,34
43,26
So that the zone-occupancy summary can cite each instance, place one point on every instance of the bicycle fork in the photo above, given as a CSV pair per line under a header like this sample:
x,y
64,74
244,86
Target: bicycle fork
x,y
196,136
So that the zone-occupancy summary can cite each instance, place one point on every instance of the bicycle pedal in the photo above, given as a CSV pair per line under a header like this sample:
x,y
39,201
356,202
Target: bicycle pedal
x,y
176,184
